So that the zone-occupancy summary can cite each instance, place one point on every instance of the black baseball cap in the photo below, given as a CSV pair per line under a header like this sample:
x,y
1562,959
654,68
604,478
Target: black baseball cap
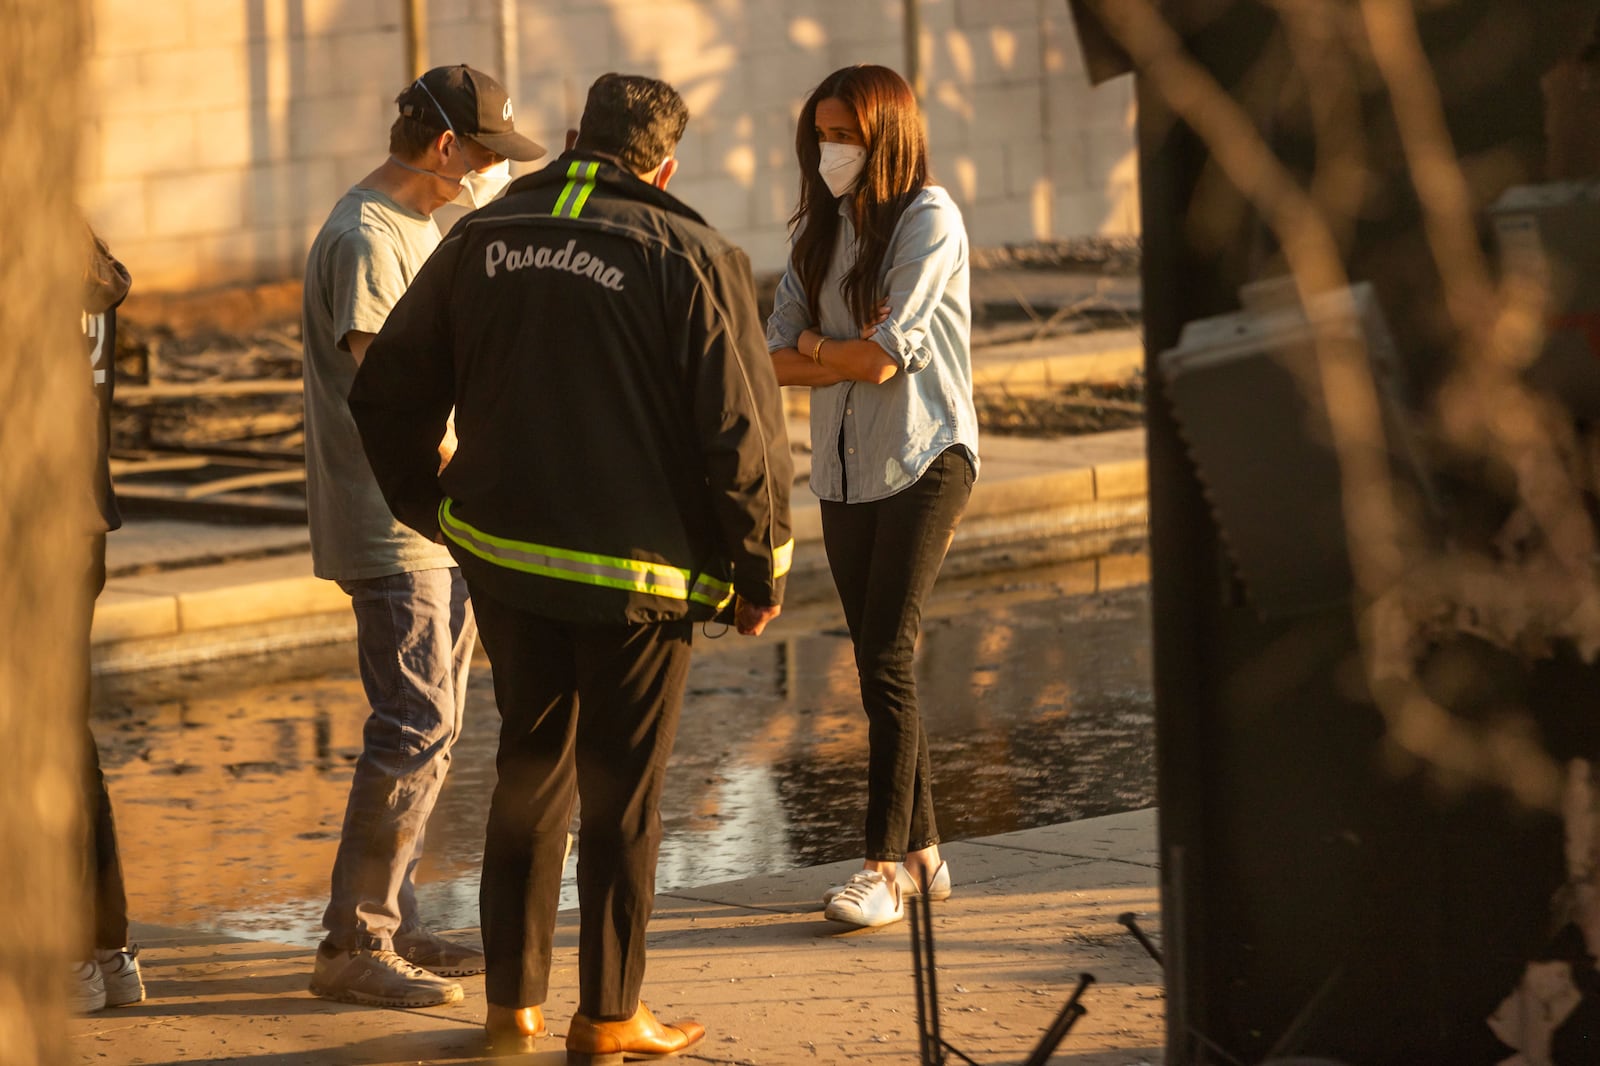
x,y
473,105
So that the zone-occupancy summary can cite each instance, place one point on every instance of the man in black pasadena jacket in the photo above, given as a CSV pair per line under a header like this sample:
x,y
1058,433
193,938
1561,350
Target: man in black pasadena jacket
x,y
623,472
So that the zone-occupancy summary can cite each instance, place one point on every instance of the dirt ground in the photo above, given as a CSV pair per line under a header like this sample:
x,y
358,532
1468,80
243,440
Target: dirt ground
x,y
1088,407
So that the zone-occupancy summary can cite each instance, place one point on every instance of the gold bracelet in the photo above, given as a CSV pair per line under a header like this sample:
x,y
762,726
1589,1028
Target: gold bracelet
x,y
816,352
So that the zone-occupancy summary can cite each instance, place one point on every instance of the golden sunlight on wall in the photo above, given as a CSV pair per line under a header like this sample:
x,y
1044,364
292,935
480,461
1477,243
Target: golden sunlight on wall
x,y
220,134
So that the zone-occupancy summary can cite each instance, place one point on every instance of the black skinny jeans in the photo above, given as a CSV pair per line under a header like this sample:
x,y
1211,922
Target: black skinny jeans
x,y
885,556
587,712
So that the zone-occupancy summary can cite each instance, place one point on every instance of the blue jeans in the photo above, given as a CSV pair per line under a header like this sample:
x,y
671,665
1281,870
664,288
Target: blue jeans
x,y
414,633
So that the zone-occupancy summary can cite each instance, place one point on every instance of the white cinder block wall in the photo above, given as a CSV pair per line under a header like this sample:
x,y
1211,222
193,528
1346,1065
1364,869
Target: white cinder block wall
x,y
222,131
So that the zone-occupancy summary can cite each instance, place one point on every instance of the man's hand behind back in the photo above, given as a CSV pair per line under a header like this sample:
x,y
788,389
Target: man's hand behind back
x,y
750,619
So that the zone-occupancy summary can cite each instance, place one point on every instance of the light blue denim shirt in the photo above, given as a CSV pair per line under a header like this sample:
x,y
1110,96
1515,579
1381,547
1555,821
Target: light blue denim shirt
x,y
871,441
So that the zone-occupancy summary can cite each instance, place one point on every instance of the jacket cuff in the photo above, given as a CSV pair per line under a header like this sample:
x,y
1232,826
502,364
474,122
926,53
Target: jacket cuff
x,y
766,595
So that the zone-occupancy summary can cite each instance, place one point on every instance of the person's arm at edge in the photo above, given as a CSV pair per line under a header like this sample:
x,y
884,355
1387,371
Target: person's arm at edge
x,y
358,343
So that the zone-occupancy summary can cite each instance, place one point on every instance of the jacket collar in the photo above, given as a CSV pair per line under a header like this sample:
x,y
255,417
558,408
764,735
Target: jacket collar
x,y
610,176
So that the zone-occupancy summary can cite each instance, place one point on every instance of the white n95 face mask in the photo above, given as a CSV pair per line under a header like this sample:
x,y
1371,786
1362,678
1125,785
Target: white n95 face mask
x,y
840,166
480,187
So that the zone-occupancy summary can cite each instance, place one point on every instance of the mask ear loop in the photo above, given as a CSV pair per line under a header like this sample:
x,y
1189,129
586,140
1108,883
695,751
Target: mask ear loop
x,y
419,83
451,126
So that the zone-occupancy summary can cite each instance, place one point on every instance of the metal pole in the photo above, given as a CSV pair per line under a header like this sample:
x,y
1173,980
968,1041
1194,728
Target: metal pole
x,y
506,39
913,48
416,37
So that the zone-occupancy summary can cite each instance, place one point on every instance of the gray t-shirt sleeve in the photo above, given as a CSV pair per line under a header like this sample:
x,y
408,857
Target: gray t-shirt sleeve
x,y
368,278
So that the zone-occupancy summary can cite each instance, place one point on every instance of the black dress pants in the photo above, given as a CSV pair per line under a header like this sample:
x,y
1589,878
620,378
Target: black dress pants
x,y
884,556
588,714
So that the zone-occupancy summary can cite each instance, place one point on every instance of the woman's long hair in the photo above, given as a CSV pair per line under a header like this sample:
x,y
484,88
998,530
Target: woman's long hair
x,y
896,170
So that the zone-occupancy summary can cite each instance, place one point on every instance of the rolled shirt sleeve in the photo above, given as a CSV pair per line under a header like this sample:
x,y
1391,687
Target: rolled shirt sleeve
x,y
929,250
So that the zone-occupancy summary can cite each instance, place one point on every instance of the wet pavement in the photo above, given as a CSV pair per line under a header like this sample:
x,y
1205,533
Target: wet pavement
x,y
229,780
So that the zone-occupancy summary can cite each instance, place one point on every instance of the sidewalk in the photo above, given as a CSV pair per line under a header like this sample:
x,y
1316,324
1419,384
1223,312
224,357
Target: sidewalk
x,y
753,960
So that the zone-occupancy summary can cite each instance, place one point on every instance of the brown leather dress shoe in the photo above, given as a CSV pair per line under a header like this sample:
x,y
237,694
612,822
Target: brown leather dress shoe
x,y
512,1030
592,1043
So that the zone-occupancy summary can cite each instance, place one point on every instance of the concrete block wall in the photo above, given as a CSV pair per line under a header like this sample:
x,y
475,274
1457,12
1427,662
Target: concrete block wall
x,y
222,132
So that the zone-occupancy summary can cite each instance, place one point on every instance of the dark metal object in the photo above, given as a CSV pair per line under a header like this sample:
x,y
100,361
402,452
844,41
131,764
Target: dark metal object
x,y
244,486
1290,1040
1128,922
191,390
416,33
1288,844
1071,1011
933,1049
931,1045
228,508
214,471
912,33
1103,57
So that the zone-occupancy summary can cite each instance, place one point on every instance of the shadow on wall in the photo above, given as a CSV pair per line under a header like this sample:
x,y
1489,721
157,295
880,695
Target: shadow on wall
x,y
1025,145
1016,133
224,133
273,191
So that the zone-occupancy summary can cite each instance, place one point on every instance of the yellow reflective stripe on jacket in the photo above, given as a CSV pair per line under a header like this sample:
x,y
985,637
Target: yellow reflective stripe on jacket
x,y
572,183
782,557
583,193
586,568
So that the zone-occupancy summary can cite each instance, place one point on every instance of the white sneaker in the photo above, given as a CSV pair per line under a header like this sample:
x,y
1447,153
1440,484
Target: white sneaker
x,y
938,887
909,889
119,969
87,993
868,899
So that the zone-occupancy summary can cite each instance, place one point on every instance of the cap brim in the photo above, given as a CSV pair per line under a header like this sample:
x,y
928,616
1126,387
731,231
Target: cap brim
x,y
512,145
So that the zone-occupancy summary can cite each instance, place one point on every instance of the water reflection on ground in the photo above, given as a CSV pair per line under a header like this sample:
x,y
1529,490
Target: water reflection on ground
x,y
229,781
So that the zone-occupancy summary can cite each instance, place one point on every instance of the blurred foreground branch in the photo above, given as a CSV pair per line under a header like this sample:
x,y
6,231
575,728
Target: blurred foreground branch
x,y
1532,586
45,439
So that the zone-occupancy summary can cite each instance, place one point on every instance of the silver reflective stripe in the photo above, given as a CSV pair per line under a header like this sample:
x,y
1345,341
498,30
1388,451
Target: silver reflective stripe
x,y
586,568
710,590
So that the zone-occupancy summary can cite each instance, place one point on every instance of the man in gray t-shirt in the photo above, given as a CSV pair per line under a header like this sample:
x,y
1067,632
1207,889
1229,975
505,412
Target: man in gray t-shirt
x,y
414,625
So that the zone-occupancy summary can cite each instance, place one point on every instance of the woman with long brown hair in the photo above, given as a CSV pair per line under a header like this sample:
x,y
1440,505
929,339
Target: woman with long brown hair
x,y
873,316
